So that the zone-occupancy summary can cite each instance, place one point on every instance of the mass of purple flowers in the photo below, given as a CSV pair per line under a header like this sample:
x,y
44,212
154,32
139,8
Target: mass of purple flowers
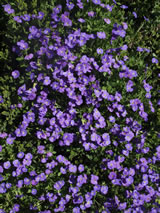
x,y
82,146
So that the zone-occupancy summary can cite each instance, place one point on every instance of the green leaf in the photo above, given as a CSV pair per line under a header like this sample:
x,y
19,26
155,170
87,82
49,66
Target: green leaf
x,y
5,113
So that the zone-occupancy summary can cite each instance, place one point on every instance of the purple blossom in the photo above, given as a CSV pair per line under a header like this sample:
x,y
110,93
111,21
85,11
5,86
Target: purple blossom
x,y
112,119
81,20
96,2
99,50
7,8
139,49
68,138
20,155
147,87
17,19
129,136
81,168
66,21
22,45
40,15
129,180
70,5
26,17
104,189
16,163
16,207
124,47
155,61
7,164
10,140
91,13
76,210
135,14
72,168
47,80
108,21
15,74
1,99
28,57
124,7
112,175
101,35
88,204
129,86
59,184
94,179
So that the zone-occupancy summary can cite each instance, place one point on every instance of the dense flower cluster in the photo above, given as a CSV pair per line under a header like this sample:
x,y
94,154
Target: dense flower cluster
x,y
73,109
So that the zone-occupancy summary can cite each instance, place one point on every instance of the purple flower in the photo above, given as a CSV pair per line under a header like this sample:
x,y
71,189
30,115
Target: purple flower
x,y
94,179
88,204
7,8
124,47
26,17
59,184
129,136
139,49
125,26
129,86
70,5
68,138
129,180
81,168
7,164
135,14
15,74
106,137
101,35
99,50
17,19
112,119
104,189
16,207
129,147
20,155
76,210
10,140
18,132
22,45
124,7
147,87
81,20
91,13
112,175
8,185
96,1
1,99
72,168
63,170
47,80
28,156
41,149
96,114
26,181
148,95
40,15
1,178
154,61
108,21
29,56
16,163
66,21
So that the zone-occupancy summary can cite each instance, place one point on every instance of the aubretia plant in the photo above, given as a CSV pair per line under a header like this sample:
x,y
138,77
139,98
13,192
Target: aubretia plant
x,y
79,126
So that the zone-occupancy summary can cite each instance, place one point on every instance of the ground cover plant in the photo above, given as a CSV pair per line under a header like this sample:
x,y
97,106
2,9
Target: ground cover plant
x,y
79,102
